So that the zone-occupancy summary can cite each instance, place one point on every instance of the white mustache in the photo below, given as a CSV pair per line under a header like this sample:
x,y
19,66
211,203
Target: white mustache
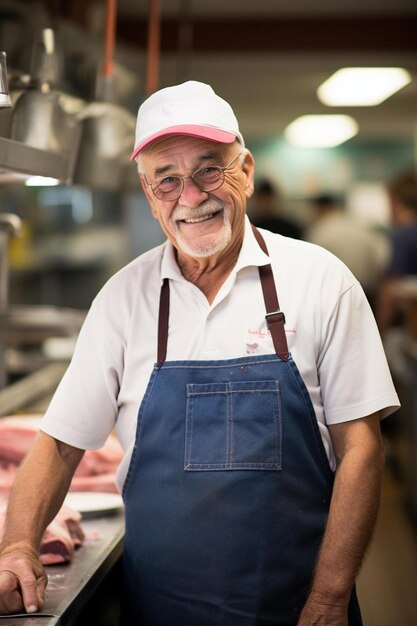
x,y
207,208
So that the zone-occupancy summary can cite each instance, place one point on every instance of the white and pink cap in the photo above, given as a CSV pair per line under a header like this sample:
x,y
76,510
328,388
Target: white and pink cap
x,y
191,108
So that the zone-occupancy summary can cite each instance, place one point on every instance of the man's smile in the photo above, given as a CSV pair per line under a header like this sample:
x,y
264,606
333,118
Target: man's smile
x,y
202,218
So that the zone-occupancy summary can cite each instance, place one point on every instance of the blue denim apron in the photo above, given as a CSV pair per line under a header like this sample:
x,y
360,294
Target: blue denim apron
x,y
228,489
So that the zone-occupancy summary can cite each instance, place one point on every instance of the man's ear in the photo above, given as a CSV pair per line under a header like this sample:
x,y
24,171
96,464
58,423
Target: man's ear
x,y
249,187
249,168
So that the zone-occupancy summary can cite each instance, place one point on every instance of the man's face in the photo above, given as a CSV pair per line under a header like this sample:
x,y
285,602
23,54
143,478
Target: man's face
x,y
199,223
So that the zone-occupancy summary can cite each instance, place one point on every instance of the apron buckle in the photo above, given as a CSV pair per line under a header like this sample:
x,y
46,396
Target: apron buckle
x,y
278,313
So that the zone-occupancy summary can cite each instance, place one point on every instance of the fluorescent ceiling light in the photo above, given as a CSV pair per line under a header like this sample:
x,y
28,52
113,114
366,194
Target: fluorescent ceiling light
x,y
362,86
41,181
320,131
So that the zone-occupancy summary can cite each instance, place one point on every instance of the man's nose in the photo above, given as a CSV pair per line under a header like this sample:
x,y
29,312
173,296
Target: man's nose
x,y
191,194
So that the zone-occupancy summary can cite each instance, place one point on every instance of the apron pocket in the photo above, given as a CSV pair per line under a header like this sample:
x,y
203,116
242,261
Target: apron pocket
x,y
233,426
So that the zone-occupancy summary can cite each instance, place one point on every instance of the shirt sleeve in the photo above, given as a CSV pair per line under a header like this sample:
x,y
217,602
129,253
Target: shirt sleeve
x,y
83,410
355,380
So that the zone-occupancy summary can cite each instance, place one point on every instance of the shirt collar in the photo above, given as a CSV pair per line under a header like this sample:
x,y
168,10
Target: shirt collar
x,y
250,255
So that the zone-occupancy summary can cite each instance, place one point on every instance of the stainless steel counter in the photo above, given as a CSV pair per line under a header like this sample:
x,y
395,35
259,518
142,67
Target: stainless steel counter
x,y
71,586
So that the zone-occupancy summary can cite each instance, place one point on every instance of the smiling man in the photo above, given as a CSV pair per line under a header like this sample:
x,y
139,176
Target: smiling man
x,y
253,453
202,214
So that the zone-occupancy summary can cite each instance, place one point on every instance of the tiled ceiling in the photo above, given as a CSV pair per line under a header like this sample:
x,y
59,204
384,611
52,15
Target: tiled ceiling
x,y
268,57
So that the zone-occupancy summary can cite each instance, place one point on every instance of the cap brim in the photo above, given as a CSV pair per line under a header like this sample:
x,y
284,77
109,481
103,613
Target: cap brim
x,y
205,132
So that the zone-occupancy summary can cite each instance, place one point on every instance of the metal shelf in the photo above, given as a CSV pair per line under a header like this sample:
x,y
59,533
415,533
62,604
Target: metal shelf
x,y
19,161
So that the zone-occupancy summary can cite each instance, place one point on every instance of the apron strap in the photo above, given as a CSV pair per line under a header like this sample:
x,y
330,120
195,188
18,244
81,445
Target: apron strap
x,y
163,320
275,318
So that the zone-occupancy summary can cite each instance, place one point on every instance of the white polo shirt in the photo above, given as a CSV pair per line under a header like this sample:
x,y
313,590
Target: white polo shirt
x,y
330,329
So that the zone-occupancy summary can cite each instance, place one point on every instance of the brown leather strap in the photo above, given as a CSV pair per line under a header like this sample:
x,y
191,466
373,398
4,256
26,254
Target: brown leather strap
x,y
163,322
275,318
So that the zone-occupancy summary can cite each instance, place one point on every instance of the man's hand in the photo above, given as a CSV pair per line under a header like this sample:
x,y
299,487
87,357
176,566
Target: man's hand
x,y
22,581
318,612
353,508
38,492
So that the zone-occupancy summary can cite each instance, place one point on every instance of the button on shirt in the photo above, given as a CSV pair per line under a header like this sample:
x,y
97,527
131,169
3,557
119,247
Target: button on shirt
x,y
331,335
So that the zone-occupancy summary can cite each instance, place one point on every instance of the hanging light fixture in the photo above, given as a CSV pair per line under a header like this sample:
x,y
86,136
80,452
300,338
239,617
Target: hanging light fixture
x,y
320,131
362,86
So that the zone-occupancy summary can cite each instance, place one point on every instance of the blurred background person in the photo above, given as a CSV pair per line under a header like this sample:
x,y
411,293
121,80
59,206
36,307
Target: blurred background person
x,y
396,316
403,261
362,249
266,211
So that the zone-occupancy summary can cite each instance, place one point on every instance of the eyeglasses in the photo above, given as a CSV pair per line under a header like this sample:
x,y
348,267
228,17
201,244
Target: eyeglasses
x,y
208,178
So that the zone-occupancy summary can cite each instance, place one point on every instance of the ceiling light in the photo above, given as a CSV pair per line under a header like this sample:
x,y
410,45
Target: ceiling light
x,y
320,131
41,181
362,86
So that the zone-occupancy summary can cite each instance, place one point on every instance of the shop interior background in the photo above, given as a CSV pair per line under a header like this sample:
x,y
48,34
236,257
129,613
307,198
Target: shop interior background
x,y
267,59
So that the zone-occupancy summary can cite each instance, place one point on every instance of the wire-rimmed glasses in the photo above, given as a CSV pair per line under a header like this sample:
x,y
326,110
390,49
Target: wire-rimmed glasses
x,y
210,178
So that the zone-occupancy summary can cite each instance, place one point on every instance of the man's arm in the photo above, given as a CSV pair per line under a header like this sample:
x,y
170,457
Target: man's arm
x,y
37,495
360,458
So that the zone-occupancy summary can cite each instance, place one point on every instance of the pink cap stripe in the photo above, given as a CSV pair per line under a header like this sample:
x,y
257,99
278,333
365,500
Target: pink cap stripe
x,y
205,132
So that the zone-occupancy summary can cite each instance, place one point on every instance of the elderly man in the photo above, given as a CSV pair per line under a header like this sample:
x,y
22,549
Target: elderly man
x,y
253,450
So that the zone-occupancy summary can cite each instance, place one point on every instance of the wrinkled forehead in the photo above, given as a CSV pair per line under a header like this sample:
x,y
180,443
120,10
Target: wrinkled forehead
x,y
181,152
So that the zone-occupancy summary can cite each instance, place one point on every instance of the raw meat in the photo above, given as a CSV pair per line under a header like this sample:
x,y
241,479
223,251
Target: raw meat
x,y
56,545
96,471
105,460
99,483
7,475
63,535
71,519
16,436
